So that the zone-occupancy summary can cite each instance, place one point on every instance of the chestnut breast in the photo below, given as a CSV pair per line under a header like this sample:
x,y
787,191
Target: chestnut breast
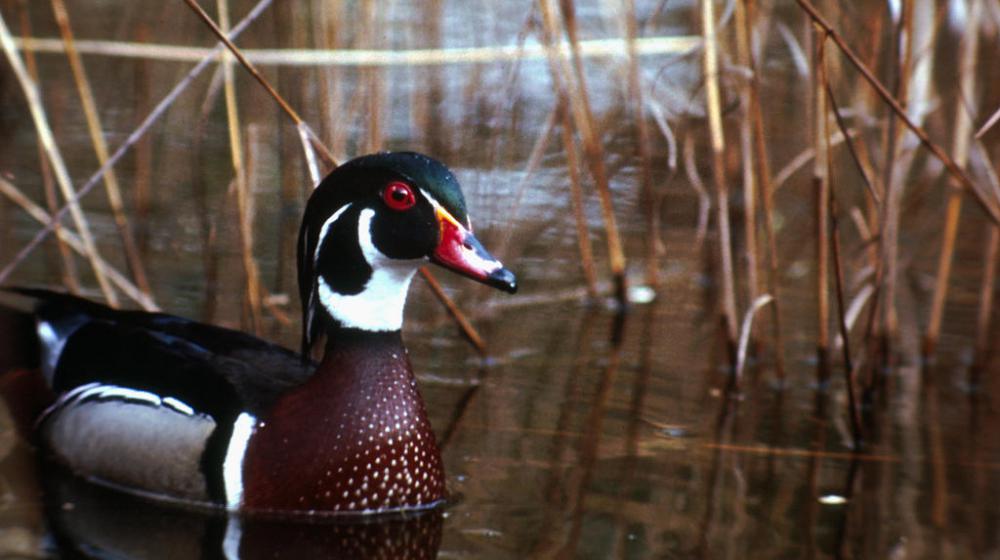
x,y
355,437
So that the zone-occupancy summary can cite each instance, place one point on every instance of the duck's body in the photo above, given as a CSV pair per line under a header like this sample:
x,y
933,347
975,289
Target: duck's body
x,y
173,408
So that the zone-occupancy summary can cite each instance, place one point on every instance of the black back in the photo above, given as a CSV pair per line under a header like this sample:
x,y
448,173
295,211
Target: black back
x,y
215,370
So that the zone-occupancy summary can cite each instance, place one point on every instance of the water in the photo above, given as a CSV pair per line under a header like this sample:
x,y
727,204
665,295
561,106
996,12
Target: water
x,y
584,435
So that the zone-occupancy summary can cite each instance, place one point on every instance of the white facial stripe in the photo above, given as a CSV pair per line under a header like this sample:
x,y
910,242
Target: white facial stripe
x,y
325,229
437,206
232,467
379,306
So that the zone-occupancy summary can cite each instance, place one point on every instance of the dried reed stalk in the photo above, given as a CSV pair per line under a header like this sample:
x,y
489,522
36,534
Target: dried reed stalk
x,y
559,72
244,202
743,30
991,261
990,122
593,48
586,126
9,190
846,315
44,132
988,205
312,164
330,82
142,193
643,144
698,185
372,78
961,134
766,191
68,269
713,102
576,198
745,329
134,137
991,252
821,184
897,162
834,219
96,130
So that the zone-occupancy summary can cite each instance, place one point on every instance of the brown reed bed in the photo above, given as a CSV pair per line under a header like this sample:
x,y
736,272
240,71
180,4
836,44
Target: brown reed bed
x,y
869,158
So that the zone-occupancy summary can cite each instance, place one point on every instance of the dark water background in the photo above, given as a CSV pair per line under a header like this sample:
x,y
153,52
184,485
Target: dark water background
x,y
581,436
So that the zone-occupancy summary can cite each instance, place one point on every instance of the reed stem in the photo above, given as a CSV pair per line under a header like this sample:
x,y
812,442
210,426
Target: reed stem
x,y
953,168
30,90
821,184
134,137
747,145
766,190
68,268
713,102
590,138
95,128
961,134
244,202
9,190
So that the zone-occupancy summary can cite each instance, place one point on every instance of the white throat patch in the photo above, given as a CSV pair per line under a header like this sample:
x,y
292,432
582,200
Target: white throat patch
x,y
379,306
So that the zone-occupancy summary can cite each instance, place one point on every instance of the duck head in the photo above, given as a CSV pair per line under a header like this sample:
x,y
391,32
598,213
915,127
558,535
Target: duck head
x,y
368,227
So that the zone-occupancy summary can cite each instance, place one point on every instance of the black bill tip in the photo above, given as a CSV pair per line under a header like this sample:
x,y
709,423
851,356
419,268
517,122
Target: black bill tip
x,y
503,279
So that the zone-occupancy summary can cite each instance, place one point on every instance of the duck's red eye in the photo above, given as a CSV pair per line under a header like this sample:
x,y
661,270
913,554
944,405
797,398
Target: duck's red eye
x,y
399,196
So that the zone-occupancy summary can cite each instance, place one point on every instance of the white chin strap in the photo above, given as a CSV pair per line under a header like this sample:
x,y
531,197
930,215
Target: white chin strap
x,y
379,306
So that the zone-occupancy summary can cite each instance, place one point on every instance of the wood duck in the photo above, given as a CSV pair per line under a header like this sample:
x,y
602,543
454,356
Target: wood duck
x,y
175,409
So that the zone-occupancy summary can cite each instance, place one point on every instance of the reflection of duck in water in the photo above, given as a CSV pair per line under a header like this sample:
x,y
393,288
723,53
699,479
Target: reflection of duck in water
x,y
167,407
90,521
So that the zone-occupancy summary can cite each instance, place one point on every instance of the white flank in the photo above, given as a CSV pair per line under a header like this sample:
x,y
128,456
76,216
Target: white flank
x,y
232,467
379,307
